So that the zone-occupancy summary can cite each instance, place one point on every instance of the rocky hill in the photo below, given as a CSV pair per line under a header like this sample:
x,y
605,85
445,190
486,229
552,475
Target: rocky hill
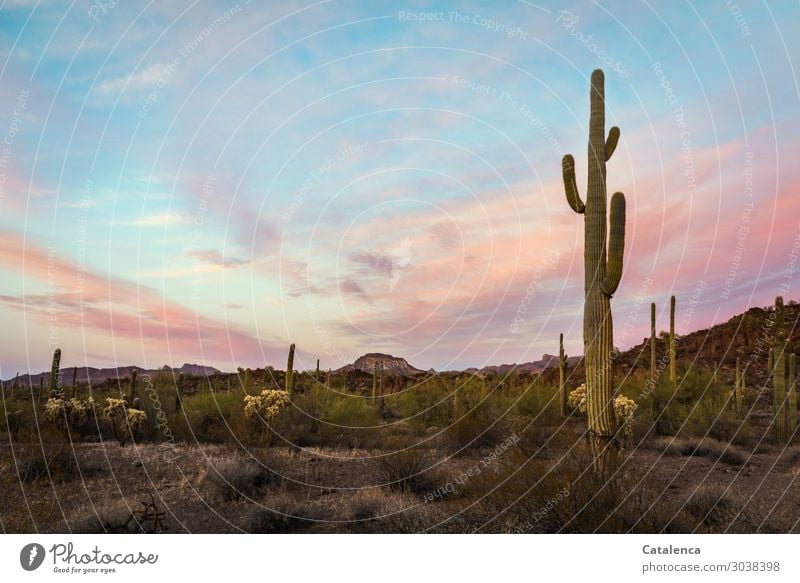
x,y
392,365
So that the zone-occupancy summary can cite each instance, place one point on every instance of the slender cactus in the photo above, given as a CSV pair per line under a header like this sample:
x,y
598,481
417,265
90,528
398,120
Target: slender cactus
x,y
290,372
673,365
133,386
562,376
316,374
603,254
75,382
769,361
653,345
738,387
54,386
374,381
792,399
779,373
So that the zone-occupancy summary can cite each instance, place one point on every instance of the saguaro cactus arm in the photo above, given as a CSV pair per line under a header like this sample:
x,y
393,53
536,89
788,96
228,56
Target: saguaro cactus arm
x,y
611,142
616,244
570,185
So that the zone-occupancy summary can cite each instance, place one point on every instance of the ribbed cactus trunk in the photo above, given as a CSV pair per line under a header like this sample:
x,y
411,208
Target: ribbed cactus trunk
x,y
75,381
779,374
562,377
374,381
316,374
290,372
653,345
791,400
673,365
738,387
53,384
133,387
602,261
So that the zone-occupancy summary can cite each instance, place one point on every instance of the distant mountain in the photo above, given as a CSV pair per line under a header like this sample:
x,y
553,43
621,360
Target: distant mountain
x,y
390,364
547,361
99,375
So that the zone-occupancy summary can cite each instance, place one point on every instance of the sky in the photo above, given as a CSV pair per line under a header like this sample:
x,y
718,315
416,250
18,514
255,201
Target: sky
x,y
207,182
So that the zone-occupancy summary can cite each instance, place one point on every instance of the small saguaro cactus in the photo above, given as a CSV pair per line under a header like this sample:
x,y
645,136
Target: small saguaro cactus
x,y
779,373
290,372
738,388
769,361
602,261
316,374
792,398
562,376
133,395
673,365
75,382
653,345
54,385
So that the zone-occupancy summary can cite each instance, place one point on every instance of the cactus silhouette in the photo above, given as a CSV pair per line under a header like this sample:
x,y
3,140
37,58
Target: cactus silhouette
x,y
673,365
133,397
779,407
603,251
562,374
53,383
290,372
792,397
653,345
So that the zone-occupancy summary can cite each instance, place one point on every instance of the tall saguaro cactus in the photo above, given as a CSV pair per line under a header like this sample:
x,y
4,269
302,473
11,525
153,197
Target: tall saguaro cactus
x,y
673,365
791,399
779,373
603,250
653,345
53,384
290,372
562,374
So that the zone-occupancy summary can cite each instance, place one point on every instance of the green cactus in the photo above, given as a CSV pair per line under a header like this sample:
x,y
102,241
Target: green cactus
x,y
75,382
738,387
792,398
779,373
316,374
602,261
290,372
653,345
374,381
673,365
133,396
562,376
53,385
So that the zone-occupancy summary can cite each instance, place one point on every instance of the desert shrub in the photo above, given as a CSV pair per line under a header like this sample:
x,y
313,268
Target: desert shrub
x,y
125,422
428,404
713,506
539,401
380,510
352,412
232,479
570,496
46,461
70,416
709,448
407,470
283,513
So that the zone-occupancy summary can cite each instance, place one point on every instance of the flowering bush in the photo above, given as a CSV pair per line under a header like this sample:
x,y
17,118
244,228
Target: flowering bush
x,y
68,414
577,399
624,409
125,421
266,405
